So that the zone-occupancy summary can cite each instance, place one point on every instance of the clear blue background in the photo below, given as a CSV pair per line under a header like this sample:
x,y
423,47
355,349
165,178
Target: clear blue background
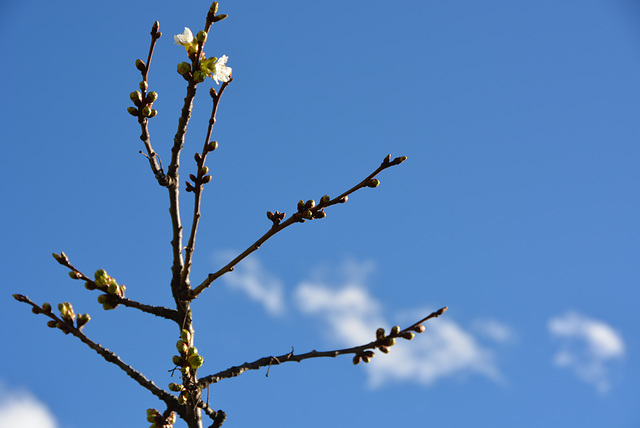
x,y
518,202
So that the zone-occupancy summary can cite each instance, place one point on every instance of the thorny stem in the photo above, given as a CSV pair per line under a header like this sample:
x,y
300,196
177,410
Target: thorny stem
x,y
296,218
272,361
199,185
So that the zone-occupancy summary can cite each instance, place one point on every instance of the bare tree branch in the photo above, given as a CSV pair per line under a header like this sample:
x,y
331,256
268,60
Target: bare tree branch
x,y
382,342
305,212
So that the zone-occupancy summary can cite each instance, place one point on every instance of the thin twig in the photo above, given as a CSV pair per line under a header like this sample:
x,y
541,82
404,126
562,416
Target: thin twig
x,y
296,218
271,360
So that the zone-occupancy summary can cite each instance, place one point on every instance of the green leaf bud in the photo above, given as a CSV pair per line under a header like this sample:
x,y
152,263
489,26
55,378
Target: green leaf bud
x,y
185,335
380,333
177,360
132,111
204,170
152,414
395,330
409,335
419,328
219,18
176,387
184,68
325,199
206,179
51,324
146,111
140,65
185,370
46,307
83,320
182,347
212,146
143,85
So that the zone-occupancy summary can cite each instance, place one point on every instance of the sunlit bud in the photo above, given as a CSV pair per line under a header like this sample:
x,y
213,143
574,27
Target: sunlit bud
x,y
409,335
175,387
146,111
309,204
308,215
219,18
140,65
197,157
182,347
343,199
199,76
387,159
185,370
113,289
182,398
184,68
61,307
132,111
356,360
212,146
176,360
152,414
196,361
204,170
319,214
366,358
36,310
384,349
100,273
89,285
75,274
201,37
46,307
395,330
51,324
136,97
399,160
380,333
440,311
143,85
389,341
83,320
214,8
185,335
374,182
206,179
151,97
57,257
300,205
153,113
369,354
171,419
192,351
156,27
419,328
325,199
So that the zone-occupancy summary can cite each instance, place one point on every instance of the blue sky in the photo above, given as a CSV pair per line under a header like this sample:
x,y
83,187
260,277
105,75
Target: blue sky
x,y
517,208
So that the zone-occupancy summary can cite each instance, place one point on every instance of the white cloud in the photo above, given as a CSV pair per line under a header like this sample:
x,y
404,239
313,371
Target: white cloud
x,y
21,409
353,316
494,330
587,346
258,284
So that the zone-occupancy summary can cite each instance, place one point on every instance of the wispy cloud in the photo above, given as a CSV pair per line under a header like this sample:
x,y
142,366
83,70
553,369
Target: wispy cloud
x,y
494,330
352,315
587,346
19,408
256,282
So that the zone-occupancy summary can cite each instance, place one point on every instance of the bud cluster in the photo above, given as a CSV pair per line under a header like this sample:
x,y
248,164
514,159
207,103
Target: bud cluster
x,y
143,104
276,217
203,176
309,210
107,284
67,315
159,421
188,360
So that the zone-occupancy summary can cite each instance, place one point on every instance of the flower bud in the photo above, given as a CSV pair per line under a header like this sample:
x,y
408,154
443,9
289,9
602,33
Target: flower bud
x,y
74,274
206,179
136,97
152,414
185,335
201,37
83,320
204,170
389,341
176,360
51,324
156,27
175,387
219,18
46,307
300,205
196,361
89,285
184,68
143,85
153,113
140,65
103,298
182,347
185,370
212,146
151,97
356,360
183,397
146,111
113,289
374,182
325,199
192,351
172,418
308,215
309,204
366,358
409,335
395,330
197,157
384,349
269,215
132,111
419,328
380,333
199,76
343,199
319,214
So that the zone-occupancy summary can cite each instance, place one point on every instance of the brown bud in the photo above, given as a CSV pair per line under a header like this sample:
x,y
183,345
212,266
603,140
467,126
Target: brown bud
x,y
356,360
384,349
219,18
132,111
319,214
419,328
204,170
325,199
300,205
387,159
395,330
389,341
309,204
374,182
343,199
140,65
409,335
206,179
380,333
197,157
212,146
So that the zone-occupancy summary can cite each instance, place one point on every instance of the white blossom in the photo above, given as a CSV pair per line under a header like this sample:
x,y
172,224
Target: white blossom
x,y
222,72
185,38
